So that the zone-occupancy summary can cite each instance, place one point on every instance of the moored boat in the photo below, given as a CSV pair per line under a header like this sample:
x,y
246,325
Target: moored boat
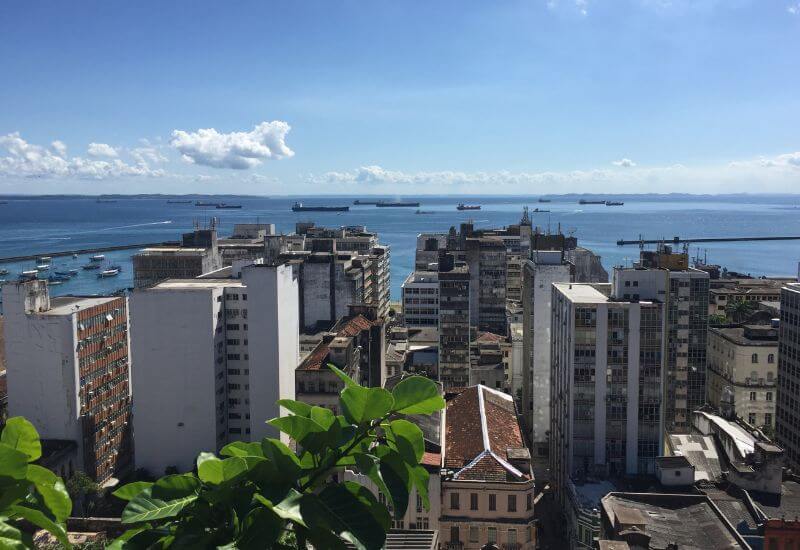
x,y
3,271
108,273
91,266
97,258
462,206
43,267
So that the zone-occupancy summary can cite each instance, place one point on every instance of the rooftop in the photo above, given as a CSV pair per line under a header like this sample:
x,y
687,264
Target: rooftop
x,y
701,452
743,335
786,504
67,305
174,250
481,429
345,328
581,292
195,284
676,461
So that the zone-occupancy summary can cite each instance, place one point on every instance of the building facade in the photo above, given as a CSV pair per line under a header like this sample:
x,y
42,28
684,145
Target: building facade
x,y
68,371
454,322
420,298
742,371
787,419
198,253
212,358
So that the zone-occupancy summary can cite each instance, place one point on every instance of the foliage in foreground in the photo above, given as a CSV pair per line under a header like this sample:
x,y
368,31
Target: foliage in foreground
x,y
264,495
28,492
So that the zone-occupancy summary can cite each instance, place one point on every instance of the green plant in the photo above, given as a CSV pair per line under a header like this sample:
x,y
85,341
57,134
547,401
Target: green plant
x,y
82,489
28,493
264,495
717,319
739,310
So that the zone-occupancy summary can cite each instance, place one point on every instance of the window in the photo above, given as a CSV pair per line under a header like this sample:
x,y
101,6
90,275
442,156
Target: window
x,y
454,534
512,503
769,396
454,501
771,358
768,419
492,502
473,533
752,396
492,539
528,501
754,358
751,419
473,501
512,537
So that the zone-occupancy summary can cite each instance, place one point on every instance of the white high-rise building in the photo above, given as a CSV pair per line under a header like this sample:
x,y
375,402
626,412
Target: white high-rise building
x,y
421,299
212,357
538,275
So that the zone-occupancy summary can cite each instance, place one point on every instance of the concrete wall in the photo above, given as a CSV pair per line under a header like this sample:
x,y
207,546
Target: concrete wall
x,y
174,376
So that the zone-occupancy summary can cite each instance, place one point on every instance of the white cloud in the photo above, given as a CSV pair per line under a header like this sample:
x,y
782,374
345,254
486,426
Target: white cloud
x,y
25,159
624,163
794,9
101,150
237,150
779,173
146,155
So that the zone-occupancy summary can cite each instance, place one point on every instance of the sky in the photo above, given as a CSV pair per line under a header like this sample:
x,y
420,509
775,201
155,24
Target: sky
x,y
400,97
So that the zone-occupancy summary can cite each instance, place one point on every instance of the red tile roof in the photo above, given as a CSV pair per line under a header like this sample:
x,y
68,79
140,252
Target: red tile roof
x,y
348,328
481,426
431,459
490,337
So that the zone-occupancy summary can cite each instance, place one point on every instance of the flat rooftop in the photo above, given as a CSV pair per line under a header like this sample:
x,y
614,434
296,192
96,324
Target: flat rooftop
x,y
195,284
67,305
582,292
177,250
739,336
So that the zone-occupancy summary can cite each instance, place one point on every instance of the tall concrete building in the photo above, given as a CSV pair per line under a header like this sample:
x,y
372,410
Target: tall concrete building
x,y
606,385
197,253
538,275
666,277
787,421
68,372
454,322
212,358
486,259
420,298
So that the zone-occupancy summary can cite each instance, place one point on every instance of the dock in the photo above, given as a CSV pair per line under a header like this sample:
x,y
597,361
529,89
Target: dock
x,y
676,240
82,251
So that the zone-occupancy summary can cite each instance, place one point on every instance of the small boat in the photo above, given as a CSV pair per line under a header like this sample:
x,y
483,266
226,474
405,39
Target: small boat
x,y
91,266
298,207
58,278
585,201
204,203
62,273
462,206
44,259
545,200
223,206
179,202
108,273
29,274
43,267
423,212
539,210
396,204
115,266
97,258
3,271
54,283
614,203
74,256
72,272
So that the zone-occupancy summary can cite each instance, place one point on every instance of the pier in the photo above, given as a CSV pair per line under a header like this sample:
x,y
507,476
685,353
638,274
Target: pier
x,y
81,251
676,240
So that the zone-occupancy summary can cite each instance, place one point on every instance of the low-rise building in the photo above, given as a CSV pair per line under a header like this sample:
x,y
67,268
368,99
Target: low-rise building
x,y
742,371
487,481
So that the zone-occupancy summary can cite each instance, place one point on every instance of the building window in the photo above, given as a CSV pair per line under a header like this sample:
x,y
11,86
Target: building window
x,y
752,396
768,419
512,503
751,419
473,501
454,537
771,358
492,539
754,358
492,502
769,396
528,501
454,501
473,533
512,537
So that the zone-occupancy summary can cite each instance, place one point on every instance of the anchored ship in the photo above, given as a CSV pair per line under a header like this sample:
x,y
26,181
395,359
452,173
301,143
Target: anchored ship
x,y
298,207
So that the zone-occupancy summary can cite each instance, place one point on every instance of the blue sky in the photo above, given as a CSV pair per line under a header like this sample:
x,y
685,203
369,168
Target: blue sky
x,y
396,97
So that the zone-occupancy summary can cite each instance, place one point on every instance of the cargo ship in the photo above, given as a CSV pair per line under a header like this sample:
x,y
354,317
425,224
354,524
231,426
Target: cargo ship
x,y
545,200
614,203
462,206
584,201
298,207
179,202
223,206
396,204
202,203
362,203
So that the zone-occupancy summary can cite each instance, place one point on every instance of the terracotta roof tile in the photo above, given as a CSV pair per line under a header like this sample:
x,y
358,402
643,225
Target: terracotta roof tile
x,y
490,337
431,459
348,328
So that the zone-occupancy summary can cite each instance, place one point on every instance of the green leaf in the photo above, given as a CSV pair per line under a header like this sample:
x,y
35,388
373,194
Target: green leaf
x,y
11,538
406,437
13,463
242,448
147,508
417,395
261,528
120,542
175,486
362,405
131,490
348,382
322,416
369,465
420,476
296,427
20,434
53,491
289,507
209,469
297,407
397,476
282,457
40,520
232,467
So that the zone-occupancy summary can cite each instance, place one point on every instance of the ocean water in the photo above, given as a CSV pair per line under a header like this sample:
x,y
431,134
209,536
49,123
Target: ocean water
x,y
39,226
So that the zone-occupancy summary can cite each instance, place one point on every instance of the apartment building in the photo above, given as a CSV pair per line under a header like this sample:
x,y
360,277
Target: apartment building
x,y
486,259
197,253
68,372
454,322
666,277
420,299
490,361
787,419
742,372
213,355
723,292
539,273
606,385
487,482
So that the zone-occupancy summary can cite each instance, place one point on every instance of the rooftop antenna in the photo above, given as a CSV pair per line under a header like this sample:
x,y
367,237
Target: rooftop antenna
x,y
526,220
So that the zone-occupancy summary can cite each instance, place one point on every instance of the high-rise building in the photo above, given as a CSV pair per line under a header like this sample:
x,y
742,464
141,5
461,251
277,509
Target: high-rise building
x,y
486,259
666,277
539,274
454,322
420,294
212,355
68,372
606,385
787,421
198,253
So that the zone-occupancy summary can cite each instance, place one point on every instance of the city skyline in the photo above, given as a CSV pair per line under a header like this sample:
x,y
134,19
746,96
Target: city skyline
x,y
518,98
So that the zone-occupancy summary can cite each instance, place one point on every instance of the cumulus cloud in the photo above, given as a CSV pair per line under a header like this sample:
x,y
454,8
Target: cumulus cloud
x,y
237,150
147,155
101,150
25,159
779,173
